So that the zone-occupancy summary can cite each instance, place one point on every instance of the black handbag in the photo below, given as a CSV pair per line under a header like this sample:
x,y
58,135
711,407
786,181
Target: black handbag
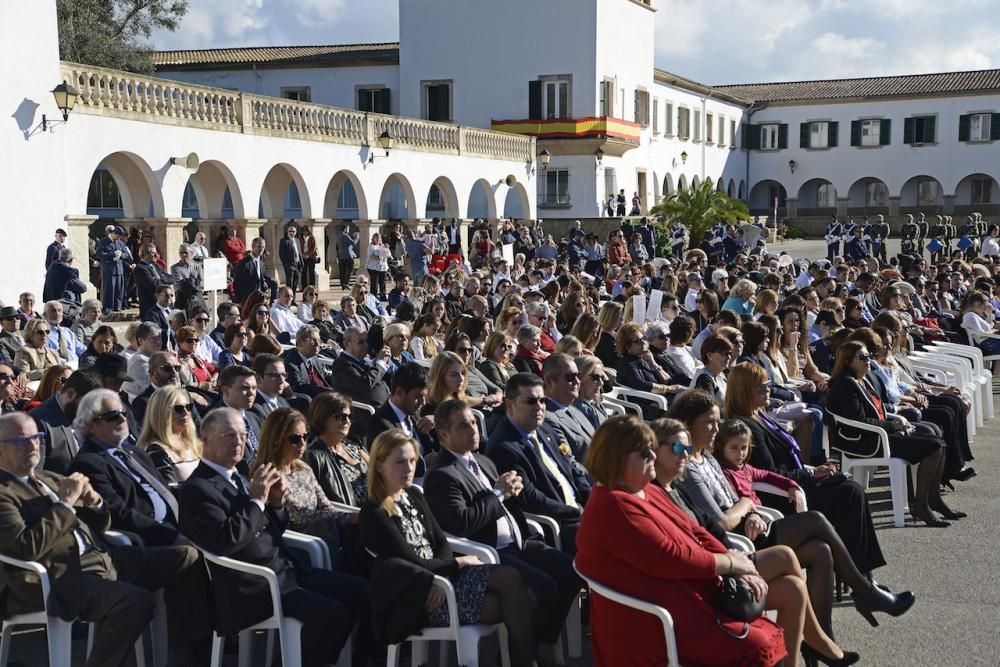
x,y
736,602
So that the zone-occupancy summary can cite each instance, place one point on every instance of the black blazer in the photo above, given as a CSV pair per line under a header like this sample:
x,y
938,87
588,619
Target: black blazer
x,y
849,398
541,494
131,509
298,375
62,281
148,277
287,254
246,282
382,535
216,517
462,505
771,452
156,316
61,445
385,419
361,383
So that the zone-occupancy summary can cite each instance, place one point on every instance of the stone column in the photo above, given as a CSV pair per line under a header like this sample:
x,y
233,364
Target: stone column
x,y
949,204
78,239
463,231
318,228
791,207
894,205
842,206
168,235
273,230
365,230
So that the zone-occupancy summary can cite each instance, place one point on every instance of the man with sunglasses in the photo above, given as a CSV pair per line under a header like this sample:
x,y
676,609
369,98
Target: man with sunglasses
x,y
561,380
10,333
164,370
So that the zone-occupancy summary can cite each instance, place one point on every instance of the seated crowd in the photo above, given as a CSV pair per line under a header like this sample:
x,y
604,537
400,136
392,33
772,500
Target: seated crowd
x,y
483,404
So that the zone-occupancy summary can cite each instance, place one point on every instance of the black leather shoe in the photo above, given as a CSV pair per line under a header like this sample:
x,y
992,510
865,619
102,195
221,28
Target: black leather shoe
x,y
812,655
878,598
965,474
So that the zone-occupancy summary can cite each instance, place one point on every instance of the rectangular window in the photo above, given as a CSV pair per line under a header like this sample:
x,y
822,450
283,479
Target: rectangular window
x,y
607,99
871,130
348,198
683,123
769,137
732,133
697,125
435,200
374,100
642,107
876,194
982,190
818,135
979,128
668,119
556,98
298,93
709,127
437,100
920,130
928,193
826,196
656,116
722,131
292,200
556,188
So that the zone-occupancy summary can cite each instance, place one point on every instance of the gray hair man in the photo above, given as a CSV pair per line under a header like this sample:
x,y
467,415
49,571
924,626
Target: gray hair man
x,y
561,380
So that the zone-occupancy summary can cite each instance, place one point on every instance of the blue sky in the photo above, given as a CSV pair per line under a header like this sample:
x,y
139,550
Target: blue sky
x,y
712,41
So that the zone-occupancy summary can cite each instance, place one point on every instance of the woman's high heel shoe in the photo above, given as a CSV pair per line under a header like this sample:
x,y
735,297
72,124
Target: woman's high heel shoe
x,y
929,518
813,656
878,598
947,512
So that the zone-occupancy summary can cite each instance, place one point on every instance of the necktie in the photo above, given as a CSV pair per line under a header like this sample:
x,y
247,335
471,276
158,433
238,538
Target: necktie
x,y
241,485
511,524
411,423
569,495
251,452
154,488
63,353
314,375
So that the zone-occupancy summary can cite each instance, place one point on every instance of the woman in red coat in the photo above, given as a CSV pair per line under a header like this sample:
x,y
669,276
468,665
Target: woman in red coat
x,y
642,545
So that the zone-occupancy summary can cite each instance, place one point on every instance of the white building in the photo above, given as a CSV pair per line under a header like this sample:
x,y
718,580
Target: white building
x,y
591,85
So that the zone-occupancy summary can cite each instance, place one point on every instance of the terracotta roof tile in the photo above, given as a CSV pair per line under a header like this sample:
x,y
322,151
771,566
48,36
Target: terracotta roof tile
x,y
336,54
883,86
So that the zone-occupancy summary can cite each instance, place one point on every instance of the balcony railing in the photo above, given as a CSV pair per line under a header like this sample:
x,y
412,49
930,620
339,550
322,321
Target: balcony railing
x,y
119,94
573,128
554,200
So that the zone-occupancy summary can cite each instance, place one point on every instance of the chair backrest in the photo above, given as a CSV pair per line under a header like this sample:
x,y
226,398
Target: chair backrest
x,y
666,620
364,407
614,408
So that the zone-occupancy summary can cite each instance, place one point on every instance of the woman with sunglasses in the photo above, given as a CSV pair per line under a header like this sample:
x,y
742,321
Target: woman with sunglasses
x,y
169,436
592,379
259,323
852,396
308,301
196,373
479,387
673,449
283,442
51,382
338,461
34,358
235,338
496,365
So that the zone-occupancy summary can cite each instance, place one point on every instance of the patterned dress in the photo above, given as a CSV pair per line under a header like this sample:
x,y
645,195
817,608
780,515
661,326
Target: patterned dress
x,y
469,583
356,473
308,507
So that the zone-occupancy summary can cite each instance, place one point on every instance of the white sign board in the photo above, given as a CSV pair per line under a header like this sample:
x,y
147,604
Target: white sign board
x,y
639,308
508,253
655,303
214,269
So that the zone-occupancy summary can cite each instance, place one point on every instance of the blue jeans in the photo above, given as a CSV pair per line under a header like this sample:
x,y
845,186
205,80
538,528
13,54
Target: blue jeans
x,y
990,346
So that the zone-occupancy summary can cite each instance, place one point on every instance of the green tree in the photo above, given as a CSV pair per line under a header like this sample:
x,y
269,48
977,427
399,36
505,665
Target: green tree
x,y
114,33
699,208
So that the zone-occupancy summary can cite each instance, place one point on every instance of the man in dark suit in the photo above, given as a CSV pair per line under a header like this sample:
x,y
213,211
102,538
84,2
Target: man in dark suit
x,y
114,256
10,334
164,370
62,279
228,315
238,390
59,522
125,476
562,387
291,258
402,411
552,485
470,499
54,418
225,513
360,378
273,390
250,276
305,374
159,314
148,277
52,252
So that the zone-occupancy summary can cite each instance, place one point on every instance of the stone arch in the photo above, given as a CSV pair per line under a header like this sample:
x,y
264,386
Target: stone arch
x,y
731,188
276,192
516,204
668,185
922,192
976,190
210,183
762,196
397,201
695,182
868,194
141,196
445,199
743,190
482,202
817,194
721,187
656,189
353,205
682,183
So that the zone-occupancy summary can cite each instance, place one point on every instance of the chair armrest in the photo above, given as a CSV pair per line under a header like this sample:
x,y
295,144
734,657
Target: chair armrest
x,y
37,568
312,546
549,523
122,538
535,526
883,436
769,513
341,507
612,407
449,595
659,400
741,542
467,547
624,404
764,487
255,570
364,407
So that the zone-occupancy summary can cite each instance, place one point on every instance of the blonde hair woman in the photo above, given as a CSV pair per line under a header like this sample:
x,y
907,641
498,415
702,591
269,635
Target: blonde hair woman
x,y
496,365
34,358
447,379
169,435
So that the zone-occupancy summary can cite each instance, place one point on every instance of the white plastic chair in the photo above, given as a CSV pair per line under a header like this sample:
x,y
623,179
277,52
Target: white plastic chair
x,y
881,456
314,547
764,487
666,620
364,407
548,522
981,371
614,408
627,392
624,405
59,633
481,421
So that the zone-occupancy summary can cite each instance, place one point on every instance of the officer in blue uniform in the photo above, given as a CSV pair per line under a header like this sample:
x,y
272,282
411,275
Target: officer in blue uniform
x,y
114,255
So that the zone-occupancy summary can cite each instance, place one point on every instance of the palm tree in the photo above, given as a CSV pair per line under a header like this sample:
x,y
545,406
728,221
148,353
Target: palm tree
x,y
699,208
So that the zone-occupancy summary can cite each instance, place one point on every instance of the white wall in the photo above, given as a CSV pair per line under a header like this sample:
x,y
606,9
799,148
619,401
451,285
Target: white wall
x,y
492,51
33,164
328,85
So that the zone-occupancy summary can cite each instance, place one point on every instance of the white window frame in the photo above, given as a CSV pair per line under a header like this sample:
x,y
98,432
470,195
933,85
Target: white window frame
x,y
554,84
873,127
732,133
709,129
668,118
697,126
819,134
297,93
876,194
683,129
546,199
923,200
425,107
656,115
984,121
981,182
830,201
722,132
769,136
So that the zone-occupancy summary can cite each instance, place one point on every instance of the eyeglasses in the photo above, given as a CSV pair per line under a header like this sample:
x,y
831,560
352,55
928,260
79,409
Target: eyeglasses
x,y
647,454
533,400
201,320
44,332
571,377
6,377
863,356
183,408
26,441
261,312
343,417
111,416
173,368
594,377
298,438
679,448
242,334
190,340
463,350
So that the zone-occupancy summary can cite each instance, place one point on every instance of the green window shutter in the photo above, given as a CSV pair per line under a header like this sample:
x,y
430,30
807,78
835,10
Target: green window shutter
x,y
855,132
995,126
832,129
803,135
908,131
930,135
783,136
751,137
382,104
964,122
364,100
885,132
535,100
